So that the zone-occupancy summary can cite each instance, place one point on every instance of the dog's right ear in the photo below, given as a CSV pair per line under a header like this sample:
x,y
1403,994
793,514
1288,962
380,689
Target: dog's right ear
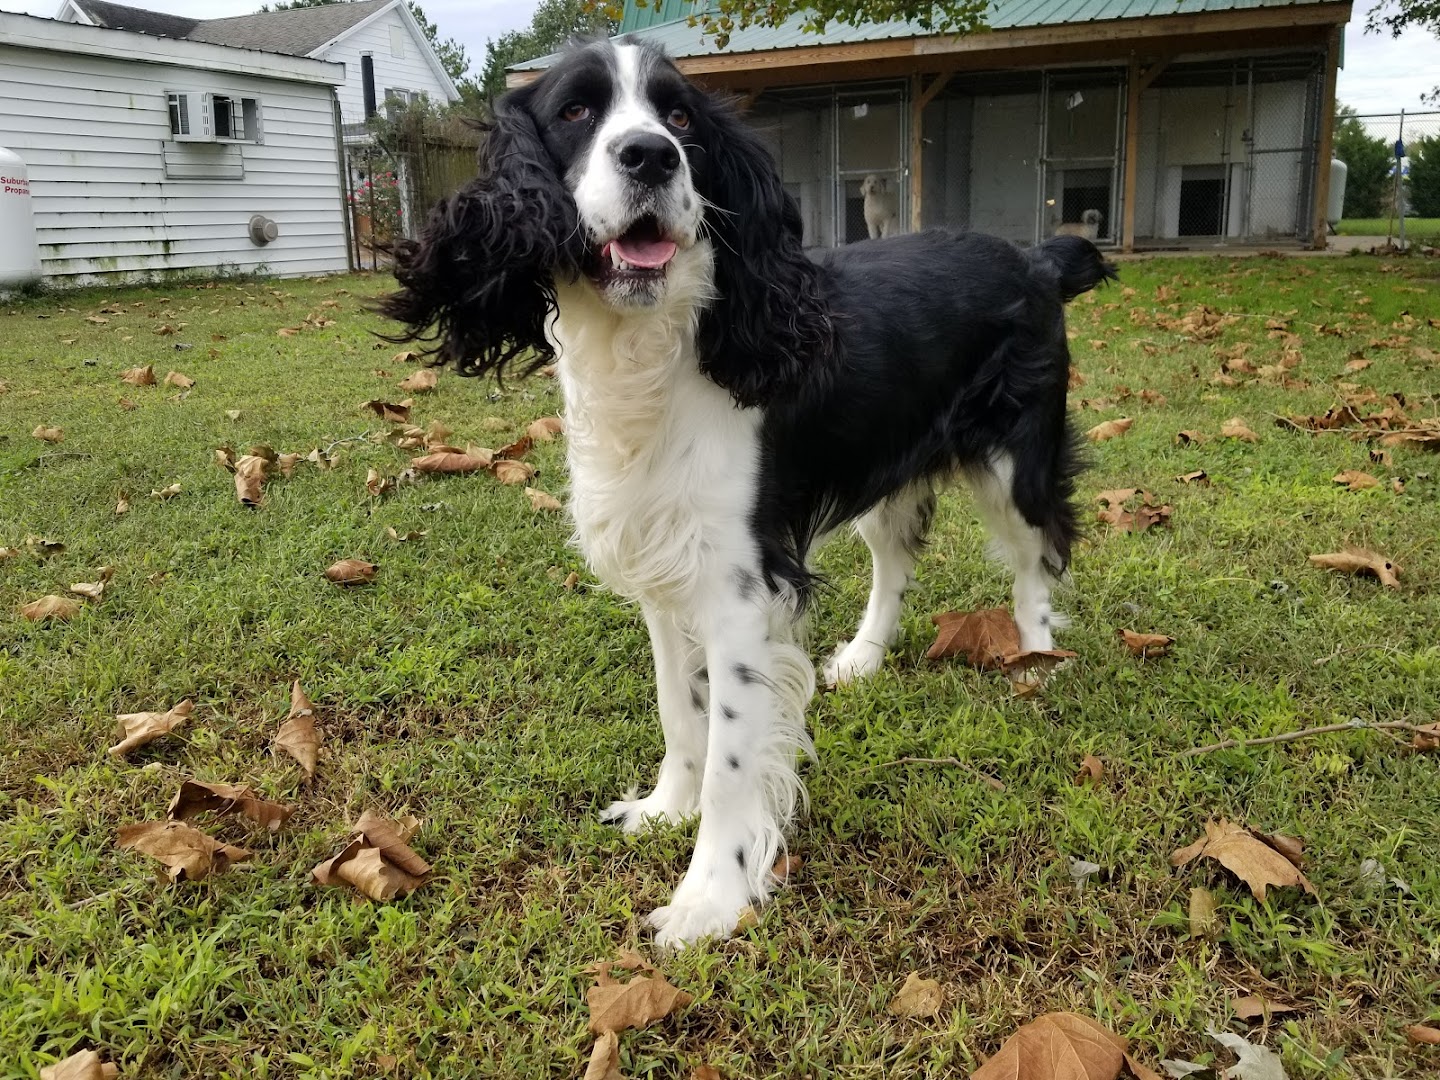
x,y
480,280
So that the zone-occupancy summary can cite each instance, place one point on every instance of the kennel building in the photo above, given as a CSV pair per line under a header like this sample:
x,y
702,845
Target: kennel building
x,y
1177,123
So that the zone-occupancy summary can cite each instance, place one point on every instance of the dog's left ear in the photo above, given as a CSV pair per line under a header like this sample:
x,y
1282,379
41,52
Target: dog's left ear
x,y
483,271
768,324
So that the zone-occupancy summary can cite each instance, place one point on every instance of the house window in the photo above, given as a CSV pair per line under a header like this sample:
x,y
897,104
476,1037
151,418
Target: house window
x,y
397,42
394,96
211,117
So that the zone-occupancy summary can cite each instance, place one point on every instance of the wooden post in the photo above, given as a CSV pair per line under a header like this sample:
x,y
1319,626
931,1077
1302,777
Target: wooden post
x,y
1319,226
1136,80
920,96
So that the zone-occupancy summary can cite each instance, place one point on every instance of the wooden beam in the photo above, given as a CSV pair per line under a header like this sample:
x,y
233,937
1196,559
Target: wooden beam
x,y
917,149
1132,153
1320,226
936,85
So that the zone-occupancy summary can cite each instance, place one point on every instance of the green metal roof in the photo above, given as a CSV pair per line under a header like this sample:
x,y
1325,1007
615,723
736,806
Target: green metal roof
x,y
663,22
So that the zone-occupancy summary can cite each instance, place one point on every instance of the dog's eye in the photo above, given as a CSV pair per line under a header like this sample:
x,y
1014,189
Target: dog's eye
x,y
575,111
679,118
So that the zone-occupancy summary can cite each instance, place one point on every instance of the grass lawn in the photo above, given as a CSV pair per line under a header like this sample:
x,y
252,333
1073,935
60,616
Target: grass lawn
x,y
1419,230
470,687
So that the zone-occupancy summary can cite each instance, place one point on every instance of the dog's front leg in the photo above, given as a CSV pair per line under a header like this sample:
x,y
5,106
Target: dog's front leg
x,y
760,683
680,680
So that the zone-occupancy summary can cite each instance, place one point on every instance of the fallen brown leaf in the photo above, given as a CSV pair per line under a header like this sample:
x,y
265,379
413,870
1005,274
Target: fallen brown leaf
x,y
1092,770
542,500
165,494
1426,737
94,590
1355,480
378,485
1245,855
352,572
420,381
1235,428
1146,645
187,853
137,729
43,548
1204,920
50,435
615,1006
918,997
1117,496
298,736
495,423
250,472
122,506
1190,438
195,798
546,428
1361,561
1110,429
1199,476
58,608
1061,1046
451,460
174,378
395,412
513,472
392,838
706,1072
517,449
1254,1007
984,637
605,1059
1421,1033
785,868
139,376
85,1065
405,537
377,861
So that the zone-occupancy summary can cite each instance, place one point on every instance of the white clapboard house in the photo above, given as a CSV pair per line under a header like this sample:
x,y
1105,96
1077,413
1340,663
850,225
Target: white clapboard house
x,y
153,155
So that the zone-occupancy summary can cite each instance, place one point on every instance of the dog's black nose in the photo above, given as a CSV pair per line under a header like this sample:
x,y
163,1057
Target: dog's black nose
x,y
649,158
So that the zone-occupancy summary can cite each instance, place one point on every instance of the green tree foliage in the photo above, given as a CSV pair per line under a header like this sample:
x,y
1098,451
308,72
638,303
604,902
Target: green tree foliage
x,y
720,18
1425,177
450,52
555,22
1368,159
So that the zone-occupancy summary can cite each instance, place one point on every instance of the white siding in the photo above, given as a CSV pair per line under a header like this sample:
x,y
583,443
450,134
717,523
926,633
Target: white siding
x,y
92,130
412,72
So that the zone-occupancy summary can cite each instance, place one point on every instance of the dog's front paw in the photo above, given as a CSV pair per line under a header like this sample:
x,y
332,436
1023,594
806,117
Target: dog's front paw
x,y
682,923
637,815
853,660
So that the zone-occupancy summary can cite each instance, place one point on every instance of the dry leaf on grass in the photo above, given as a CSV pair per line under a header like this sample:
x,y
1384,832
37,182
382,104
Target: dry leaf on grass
x,y
139,376
1110,429
451,460
637,1003
1256,1007
1235,428
542,500
1421,1033
421,381
195,798
378,485
513,472
1426,737
85,1065
1092,770
1190,438
1245,855
50,435
517,449
352,572
122,506
1199,476
983,637
605,1059
1355,480
298,736
378,861
250,472
1204,920
1117,496
918,997
1146,645
94,590
42,547
706,1072
174,378
1361,561
187,853
1145,515
395,412
405,537
785,868
1256,1062
546,428
58,608
137,729
166,494
1061,1046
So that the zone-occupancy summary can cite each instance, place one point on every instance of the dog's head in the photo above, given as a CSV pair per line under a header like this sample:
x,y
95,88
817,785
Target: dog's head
x,y
613,173
1091,217
873,185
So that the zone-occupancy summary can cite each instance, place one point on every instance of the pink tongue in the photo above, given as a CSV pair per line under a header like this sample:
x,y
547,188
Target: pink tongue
x,y
649,254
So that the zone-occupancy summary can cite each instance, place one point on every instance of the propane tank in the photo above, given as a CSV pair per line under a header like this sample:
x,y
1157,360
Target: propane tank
x,y
19,254
1335,205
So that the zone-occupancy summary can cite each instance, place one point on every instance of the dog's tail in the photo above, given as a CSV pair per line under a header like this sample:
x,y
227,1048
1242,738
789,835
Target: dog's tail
x,y
1076,263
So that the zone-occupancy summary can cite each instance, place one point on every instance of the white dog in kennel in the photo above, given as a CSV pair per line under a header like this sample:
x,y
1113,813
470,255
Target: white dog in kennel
x,y
882,207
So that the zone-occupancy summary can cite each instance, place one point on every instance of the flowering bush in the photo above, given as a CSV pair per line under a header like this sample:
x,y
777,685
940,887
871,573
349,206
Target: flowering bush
x,y
378,198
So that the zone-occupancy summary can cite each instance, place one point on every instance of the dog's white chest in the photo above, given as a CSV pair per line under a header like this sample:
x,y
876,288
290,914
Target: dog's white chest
x,y
662,467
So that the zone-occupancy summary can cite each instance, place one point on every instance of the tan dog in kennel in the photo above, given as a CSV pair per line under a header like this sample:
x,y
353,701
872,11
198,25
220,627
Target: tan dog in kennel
x,y
882,207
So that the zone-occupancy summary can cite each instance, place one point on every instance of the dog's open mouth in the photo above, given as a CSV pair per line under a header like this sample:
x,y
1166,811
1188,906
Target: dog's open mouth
x,y
641,251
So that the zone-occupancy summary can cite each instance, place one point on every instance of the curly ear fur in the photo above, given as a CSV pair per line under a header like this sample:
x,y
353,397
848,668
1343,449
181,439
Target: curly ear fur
x,y
769,325
483,272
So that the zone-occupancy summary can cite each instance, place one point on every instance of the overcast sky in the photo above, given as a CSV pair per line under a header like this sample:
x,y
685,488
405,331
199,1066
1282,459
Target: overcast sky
x,y
1381,74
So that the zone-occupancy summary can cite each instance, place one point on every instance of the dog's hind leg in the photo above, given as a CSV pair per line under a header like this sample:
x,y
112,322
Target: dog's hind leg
x,y
683,695
1025,546
895,532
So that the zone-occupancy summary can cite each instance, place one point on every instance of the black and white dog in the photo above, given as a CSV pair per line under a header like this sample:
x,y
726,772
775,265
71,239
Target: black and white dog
x,y
729,403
